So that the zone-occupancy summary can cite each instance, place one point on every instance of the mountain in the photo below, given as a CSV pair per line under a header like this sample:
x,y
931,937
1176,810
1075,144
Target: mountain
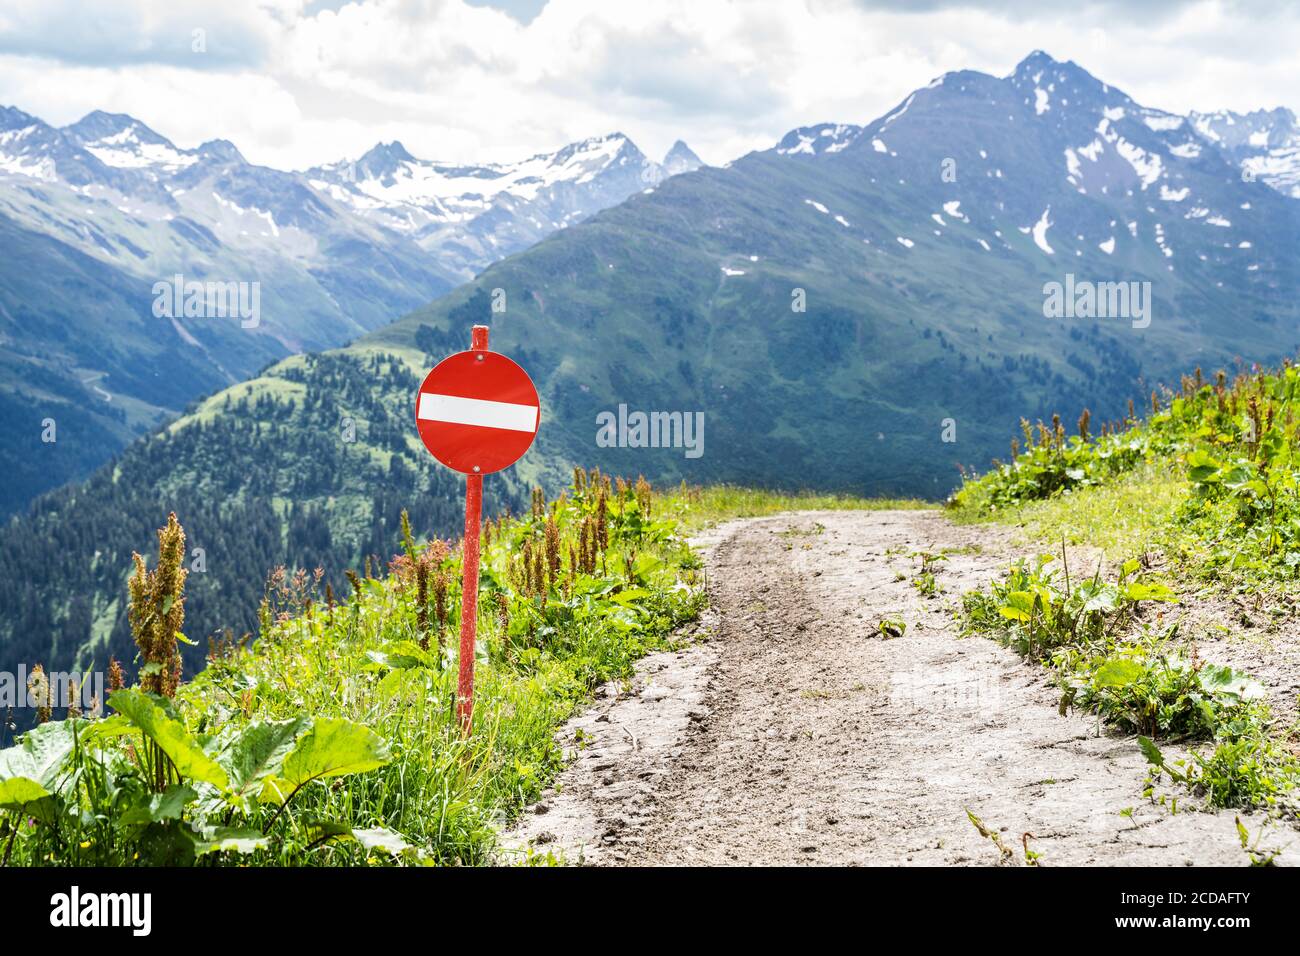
x,y
860,308
680,159
103,219
1264,143
470,216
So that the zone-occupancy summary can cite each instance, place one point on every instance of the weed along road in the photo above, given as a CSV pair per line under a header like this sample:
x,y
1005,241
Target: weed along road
x,y
796,725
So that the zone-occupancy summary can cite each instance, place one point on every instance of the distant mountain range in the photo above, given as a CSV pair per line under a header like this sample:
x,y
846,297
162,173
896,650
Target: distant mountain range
x,y
860,308
94,214
1264,143
471,216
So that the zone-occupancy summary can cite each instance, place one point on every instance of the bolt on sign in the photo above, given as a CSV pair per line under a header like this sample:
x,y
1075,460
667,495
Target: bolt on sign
x,y
477,412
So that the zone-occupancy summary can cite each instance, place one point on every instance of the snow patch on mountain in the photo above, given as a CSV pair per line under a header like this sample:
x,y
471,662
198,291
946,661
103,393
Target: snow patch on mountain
x,y
815,140
1265,144
1040,232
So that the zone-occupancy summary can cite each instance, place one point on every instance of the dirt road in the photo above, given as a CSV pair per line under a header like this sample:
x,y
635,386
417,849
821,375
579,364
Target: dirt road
x,y
793,732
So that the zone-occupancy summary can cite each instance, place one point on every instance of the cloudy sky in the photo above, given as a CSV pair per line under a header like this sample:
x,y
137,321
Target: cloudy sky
x,y
298,82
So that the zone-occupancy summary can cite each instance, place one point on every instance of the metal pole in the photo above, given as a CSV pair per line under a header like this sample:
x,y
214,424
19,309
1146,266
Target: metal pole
x,y
469,582
469,598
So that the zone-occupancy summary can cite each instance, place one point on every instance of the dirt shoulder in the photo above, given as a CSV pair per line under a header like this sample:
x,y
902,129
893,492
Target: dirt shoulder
x,y
792,732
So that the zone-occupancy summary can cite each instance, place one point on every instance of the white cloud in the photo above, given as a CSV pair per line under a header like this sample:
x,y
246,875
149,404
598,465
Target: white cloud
x,y
294,83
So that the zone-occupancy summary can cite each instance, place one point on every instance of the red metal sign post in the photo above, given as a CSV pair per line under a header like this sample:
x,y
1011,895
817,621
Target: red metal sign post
x,y
476,412
469,598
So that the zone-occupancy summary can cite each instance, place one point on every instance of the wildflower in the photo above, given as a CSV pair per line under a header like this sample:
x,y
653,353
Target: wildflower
x,y
158,610
421,603
74,705
503,615
38,693
115,679
441,583
552,550
602,519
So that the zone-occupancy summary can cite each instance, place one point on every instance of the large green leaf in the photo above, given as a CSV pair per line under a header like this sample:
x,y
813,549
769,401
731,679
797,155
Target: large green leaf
x,y
168,805
1202,466
379,838
374,838
259,751
19,792
1019,606
231,840
1224,680
166,844
1149,591
1099,597
170,735
332,748
1151,752
29,771
1118,672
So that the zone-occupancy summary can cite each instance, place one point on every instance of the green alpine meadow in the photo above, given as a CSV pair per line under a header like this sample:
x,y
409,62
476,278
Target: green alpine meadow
x,y
333,738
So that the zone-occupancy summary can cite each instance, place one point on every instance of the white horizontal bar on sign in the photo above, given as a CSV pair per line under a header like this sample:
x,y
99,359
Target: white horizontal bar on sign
x,y
477,411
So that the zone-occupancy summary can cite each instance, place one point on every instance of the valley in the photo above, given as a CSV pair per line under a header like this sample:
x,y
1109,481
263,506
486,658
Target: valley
x,y
109,229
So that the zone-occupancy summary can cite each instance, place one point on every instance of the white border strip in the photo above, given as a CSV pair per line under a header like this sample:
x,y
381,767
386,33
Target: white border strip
x,y
477,411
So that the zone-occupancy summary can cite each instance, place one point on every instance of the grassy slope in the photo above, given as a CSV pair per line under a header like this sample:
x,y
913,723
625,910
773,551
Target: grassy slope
x,y
1129,516
360,661
1209,486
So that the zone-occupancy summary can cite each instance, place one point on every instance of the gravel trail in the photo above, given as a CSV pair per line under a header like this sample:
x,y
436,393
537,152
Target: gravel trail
x,y
791,732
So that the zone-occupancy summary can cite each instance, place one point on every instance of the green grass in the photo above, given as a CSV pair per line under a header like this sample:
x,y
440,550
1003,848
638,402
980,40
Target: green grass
x,y
1131,515
546,639
700,507
1212,479
364,688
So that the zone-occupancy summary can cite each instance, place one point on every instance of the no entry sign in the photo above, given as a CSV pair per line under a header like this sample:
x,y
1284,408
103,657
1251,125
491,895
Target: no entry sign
x,y
476,412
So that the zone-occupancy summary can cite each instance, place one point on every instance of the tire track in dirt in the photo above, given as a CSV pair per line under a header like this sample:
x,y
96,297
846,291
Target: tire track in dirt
x,y
797,734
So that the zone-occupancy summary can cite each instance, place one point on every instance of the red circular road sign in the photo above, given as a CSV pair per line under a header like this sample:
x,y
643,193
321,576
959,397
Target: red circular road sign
x,y
477,412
